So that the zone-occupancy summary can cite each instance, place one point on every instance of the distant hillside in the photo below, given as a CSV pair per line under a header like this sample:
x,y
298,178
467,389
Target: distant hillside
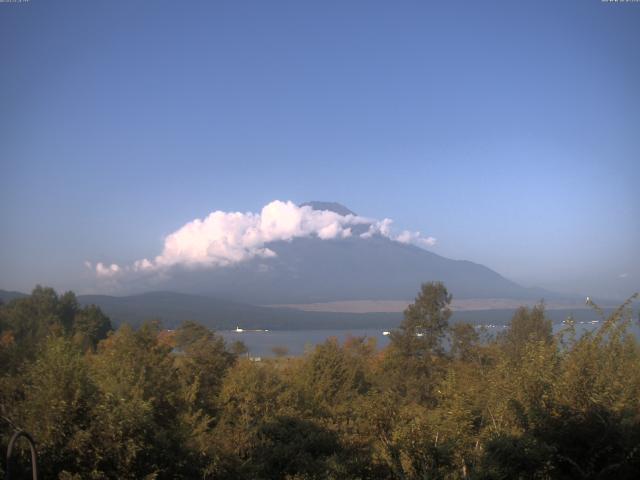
x,y
7,296
173,308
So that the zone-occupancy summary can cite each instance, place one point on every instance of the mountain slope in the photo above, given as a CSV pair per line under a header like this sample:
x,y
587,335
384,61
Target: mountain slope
x,y
311,270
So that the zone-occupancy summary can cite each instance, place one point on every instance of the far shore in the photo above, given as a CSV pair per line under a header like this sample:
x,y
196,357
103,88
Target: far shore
x,y
395,306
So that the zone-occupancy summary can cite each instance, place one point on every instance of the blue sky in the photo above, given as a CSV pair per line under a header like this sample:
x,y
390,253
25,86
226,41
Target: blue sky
x,y
510,131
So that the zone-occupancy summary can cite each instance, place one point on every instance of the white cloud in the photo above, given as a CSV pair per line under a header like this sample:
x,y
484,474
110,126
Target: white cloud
x,y
142,265
381,227
107,271
415,238
225,238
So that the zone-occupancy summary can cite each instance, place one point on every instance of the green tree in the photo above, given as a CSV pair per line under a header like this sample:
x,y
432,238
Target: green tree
x,y
416,351
426,321
251,396
203,361
58,397
31,319
137,423
464,342
90,325
330,377
527,325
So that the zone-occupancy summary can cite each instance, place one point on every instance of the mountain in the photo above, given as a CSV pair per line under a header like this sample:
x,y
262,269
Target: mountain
x,y
303,271
309,270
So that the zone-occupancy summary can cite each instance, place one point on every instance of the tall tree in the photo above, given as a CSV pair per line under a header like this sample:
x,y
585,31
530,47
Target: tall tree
x,y
416,348
527,326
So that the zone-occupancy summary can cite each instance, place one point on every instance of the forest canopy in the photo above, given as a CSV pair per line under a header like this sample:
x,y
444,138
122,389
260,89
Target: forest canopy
x,y
441,400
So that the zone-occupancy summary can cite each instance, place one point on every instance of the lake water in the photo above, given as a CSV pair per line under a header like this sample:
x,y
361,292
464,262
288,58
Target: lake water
x,y
260,344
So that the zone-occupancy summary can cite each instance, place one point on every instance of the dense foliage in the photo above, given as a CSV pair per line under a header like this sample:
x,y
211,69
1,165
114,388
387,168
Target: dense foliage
x,y
439,402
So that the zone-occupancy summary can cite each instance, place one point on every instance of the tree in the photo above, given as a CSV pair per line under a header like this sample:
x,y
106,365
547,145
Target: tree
x,y
330,377
239,348
464,341
67,310
203,362
152,403
251,396
31,319
426,322
90,325
416,347
138,426
290,447
527,325
57,408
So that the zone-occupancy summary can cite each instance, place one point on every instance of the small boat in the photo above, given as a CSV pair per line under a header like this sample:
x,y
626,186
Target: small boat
x,y
386,332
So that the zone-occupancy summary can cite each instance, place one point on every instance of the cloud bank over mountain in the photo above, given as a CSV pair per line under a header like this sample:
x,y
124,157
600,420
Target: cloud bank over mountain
x,y
226,238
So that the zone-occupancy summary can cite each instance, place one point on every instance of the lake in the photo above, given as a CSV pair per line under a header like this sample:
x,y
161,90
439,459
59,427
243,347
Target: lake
x,y
260,344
